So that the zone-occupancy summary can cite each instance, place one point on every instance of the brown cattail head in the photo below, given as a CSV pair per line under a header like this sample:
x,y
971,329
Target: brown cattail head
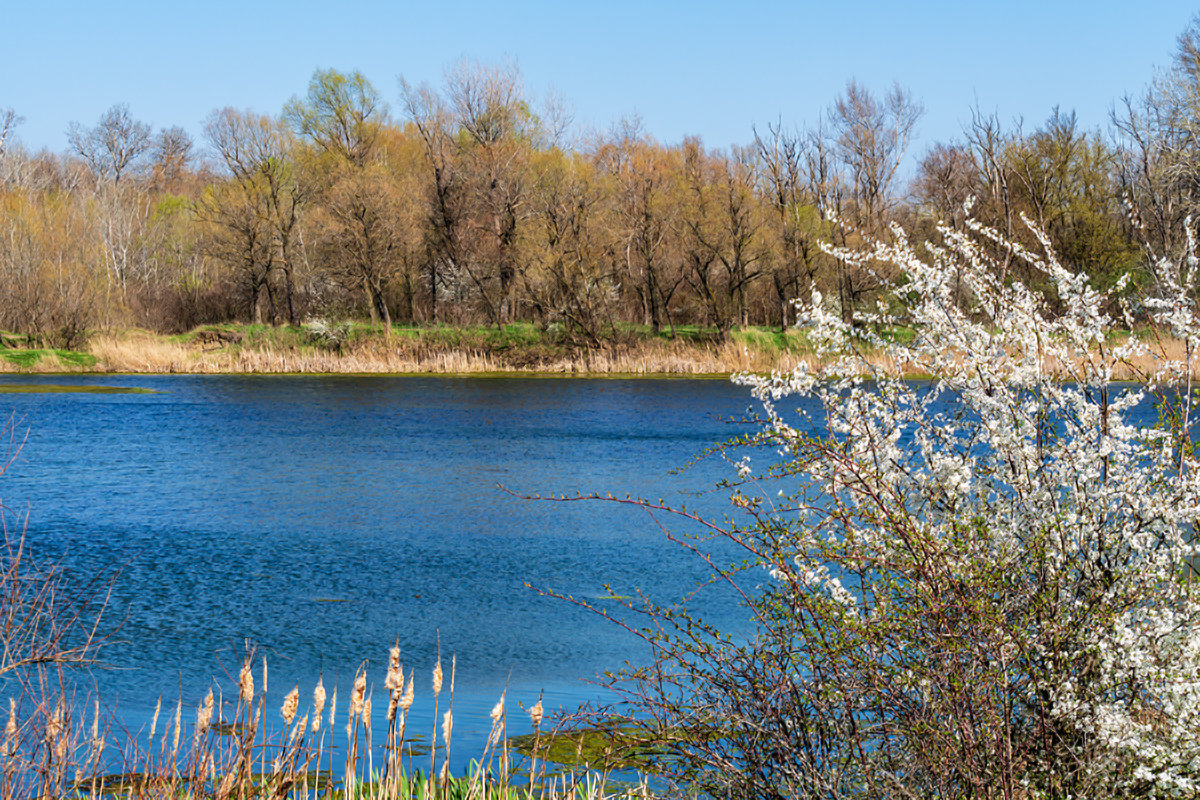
x,y
290,704
54,727
535,714
444,777
406,700
318,704
366,711
204,714
447,726
246,684
395,676
154,720
360,690
178,725
10,730
298,731
333,707
437,678
498,710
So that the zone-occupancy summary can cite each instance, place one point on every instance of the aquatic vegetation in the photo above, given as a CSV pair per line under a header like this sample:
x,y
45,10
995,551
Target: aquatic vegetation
x,y
70,388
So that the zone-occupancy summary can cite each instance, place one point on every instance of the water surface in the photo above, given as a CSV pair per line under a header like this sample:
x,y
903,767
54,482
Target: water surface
x,y
323,518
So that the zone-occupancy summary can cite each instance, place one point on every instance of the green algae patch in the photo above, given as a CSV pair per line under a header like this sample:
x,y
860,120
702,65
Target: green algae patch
x,y
71,388
622,747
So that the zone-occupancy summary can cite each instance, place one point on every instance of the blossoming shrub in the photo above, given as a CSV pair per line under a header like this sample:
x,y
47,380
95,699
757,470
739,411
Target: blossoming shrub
x,y
979,585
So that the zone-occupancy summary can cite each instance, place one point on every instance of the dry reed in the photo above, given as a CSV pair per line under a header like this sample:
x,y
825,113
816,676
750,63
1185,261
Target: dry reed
x,y
143,352
234,753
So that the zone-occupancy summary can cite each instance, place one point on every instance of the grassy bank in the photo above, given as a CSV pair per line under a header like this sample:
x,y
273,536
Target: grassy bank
x,y
362,348
520,348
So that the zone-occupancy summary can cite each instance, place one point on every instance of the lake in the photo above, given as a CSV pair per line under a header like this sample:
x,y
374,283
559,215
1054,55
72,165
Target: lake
x,y
321,518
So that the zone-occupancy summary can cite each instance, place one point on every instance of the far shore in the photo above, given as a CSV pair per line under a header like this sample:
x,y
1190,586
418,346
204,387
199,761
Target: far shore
x,y
361,349
354,348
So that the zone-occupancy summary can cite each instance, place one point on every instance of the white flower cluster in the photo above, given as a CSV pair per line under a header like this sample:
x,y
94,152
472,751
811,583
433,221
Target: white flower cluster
x,y
1024,461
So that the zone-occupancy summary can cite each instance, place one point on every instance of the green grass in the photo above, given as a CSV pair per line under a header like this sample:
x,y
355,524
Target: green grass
x,y
511,336
627,747
31,358
57,388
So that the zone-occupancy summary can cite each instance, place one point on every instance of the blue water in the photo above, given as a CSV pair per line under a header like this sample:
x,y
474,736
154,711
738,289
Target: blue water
x,y
235,508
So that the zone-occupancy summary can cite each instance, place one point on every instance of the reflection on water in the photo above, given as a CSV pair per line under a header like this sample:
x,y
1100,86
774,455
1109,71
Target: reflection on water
x,y
322,518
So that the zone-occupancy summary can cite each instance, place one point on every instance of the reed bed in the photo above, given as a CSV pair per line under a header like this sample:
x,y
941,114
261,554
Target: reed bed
x,y
146,353
311,746
749,351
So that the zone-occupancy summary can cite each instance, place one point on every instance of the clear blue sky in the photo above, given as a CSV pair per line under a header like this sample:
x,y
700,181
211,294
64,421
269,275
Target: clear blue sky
x,y
712,69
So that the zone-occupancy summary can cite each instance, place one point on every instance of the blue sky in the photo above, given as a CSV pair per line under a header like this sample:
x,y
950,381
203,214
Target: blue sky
x,y
710,69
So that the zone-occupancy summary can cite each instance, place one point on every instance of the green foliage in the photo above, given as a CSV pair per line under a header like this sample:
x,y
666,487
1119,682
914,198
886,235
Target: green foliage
x,y
342,113
70,388
31,358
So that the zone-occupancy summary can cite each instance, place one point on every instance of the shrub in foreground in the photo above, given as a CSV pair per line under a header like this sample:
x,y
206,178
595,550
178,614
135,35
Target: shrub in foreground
x,y
977,586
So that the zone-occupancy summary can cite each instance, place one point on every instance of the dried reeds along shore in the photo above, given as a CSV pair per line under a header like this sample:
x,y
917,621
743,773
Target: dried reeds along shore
x,y
137,352
252,746
752,351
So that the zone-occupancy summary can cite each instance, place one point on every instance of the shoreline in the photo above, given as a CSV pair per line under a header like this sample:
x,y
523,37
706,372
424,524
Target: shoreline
x,y
516,351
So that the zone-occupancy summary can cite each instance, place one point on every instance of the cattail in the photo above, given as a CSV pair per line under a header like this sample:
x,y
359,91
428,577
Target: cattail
x,y
447,725
318,704
406,700
290,705
497,726
51,732
437,678
395,675
333,707
203,719
246,684
298,731
204,714
445,775
360,690
10,730
535,714
366,711
178,720
97,741
154,719
264,674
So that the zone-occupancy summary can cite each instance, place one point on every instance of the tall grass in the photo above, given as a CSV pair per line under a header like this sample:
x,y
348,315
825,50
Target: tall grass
x,y
362,349
517,349
310,746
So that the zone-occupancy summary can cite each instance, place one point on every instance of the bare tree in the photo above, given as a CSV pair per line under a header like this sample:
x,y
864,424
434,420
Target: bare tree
x,y
171,153
872,136
488,104
645,217
946,178
8,121
114,145
794,218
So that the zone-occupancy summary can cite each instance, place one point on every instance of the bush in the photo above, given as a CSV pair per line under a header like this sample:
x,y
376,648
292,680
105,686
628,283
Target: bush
x,y
979,585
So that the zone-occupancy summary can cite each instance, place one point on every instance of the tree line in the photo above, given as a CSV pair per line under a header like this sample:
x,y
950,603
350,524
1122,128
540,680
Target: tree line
x,y
471,203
